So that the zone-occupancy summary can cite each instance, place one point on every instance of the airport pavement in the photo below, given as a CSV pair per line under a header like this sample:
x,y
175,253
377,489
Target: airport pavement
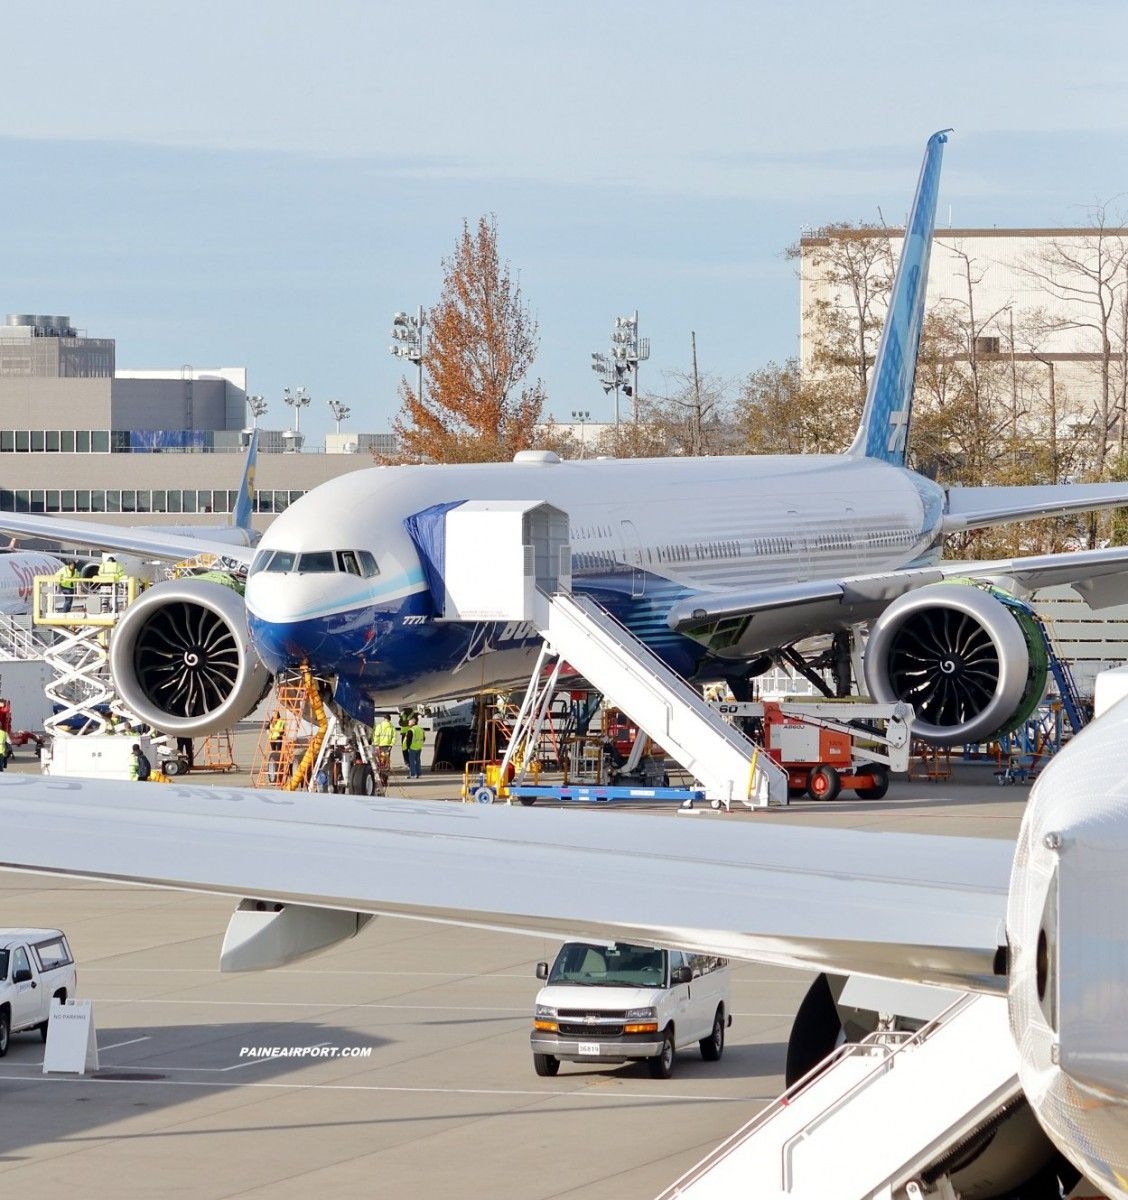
x,y
422,1083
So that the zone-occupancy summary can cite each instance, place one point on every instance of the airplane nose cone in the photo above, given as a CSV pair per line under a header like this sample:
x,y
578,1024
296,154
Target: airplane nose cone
x,y
282,645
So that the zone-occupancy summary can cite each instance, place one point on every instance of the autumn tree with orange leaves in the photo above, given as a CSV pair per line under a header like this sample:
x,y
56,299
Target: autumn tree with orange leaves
x,y
481,344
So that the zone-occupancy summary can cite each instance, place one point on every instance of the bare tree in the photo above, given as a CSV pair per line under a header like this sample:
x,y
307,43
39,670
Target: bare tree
x,y
855,264
1088,273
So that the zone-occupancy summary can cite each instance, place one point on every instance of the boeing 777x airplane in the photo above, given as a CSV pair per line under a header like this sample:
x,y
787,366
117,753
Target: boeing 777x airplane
x,y
716,564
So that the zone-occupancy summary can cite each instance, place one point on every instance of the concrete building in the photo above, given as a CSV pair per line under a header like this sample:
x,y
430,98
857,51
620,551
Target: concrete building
x,y
78,436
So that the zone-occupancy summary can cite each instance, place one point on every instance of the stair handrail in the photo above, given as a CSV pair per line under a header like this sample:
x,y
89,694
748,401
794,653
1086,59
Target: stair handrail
x,y
591,607
888,1043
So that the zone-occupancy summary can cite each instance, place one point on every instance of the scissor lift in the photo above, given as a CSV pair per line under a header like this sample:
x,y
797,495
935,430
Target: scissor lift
x,y
82,618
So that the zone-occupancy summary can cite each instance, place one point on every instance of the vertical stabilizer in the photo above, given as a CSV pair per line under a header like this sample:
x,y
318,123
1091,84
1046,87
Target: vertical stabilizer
x,y
245,503
884,429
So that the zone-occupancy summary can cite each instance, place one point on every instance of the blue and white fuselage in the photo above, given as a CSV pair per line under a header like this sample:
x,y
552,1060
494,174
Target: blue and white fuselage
x,y
644,534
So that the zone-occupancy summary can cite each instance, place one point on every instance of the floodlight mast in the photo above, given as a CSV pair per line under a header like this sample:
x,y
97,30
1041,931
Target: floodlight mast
x,y
341,412
629,349
297,399
257,405
610,377
582,416
407,332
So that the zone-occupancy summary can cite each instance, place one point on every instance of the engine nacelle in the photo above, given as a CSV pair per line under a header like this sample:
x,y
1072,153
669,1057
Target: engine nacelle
x,y
971,666
182,661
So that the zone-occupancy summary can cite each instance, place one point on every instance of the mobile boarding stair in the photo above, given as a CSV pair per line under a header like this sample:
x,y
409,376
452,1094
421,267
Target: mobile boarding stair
x,y
524,576
730,768
879,1119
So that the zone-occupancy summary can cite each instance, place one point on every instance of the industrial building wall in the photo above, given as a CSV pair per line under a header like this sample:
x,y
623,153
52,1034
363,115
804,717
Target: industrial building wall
x,y
27,402
189,487
169,403
1087,639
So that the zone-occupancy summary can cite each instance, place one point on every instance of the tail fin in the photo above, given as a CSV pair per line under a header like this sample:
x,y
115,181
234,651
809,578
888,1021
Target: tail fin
x,y
245,503
883,432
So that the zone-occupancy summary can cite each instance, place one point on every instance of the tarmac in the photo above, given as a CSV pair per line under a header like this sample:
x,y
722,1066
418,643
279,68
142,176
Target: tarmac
x,y
397,1064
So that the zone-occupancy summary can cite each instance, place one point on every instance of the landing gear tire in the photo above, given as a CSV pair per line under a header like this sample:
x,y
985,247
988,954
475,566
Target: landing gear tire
x,y
824,783
713,1046
546,1064
361,780
815,1032
661,1066
880,784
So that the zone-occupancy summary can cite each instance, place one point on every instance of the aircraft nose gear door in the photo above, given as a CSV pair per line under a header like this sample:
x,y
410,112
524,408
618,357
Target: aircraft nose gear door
x,y
632,554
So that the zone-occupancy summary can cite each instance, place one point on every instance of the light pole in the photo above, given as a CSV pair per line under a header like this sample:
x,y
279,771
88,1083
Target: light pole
x,y
341,412
628,348
581,415
257,405
297,399
408,335
610,374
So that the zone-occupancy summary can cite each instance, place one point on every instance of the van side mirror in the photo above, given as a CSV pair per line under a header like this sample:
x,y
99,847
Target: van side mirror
x,y
682,974
21,975
542,970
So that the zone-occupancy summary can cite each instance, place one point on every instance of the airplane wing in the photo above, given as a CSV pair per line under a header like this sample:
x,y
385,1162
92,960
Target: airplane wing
x,y
743,621
144,542
929,909
979,507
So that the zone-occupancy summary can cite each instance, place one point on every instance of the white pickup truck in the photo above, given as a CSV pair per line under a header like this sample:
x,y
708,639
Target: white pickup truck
x,y
36,969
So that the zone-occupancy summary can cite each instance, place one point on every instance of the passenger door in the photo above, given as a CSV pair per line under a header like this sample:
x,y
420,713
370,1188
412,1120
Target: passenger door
x,y
25,996
680,995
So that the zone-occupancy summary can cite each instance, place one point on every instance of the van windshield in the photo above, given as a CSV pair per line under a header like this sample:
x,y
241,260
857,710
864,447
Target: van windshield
x,y
592,965
3,964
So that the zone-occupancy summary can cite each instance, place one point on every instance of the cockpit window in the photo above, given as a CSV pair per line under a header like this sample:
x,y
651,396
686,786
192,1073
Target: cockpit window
x,y
321,561
348,562
282,561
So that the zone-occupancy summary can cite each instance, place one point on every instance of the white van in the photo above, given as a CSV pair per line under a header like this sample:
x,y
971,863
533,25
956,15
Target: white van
x,y
613,1002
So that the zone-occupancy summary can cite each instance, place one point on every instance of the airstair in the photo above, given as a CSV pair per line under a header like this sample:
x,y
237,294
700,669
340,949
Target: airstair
x,y
18,642
878,1119
658,700
529,580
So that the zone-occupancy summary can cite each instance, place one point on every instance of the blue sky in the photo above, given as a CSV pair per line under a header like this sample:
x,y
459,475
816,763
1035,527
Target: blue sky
x,y
265,184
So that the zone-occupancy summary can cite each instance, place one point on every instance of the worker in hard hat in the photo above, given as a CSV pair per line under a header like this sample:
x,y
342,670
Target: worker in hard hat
x,y
66,581
111,571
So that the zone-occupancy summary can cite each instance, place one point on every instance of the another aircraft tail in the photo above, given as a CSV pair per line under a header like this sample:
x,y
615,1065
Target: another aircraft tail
x,y
245,503
884,428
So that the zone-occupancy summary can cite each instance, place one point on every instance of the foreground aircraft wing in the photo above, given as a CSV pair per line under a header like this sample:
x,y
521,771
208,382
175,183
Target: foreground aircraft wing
x,y
144,542
920,908
776,615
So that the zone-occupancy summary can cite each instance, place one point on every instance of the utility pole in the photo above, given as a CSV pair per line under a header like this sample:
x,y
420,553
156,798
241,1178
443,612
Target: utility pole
x,y
696,443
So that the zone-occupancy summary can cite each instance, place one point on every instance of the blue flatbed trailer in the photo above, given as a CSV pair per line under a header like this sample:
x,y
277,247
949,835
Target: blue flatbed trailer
x,y
594,793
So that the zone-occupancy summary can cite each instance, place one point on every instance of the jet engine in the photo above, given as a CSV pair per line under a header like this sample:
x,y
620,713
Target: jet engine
x,y
972,665
182,660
